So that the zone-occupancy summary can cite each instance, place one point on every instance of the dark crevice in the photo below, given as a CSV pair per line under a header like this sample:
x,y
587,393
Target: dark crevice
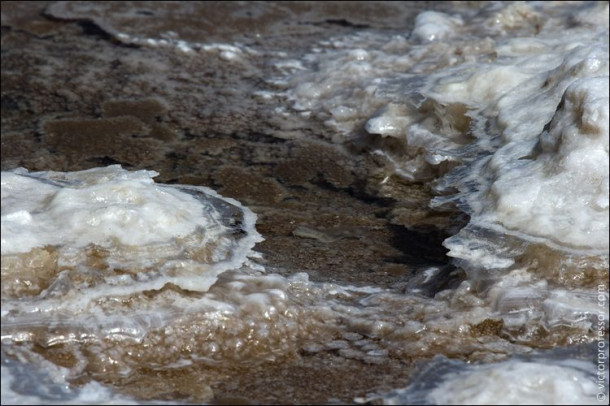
x,y
90,28
9,104
342,22
187,136
106,160
5,29
419,247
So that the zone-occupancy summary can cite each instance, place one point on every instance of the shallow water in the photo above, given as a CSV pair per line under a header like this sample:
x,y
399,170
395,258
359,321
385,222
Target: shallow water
x,y
388,203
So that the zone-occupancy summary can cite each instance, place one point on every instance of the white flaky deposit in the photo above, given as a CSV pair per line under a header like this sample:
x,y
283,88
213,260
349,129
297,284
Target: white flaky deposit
x,y
517,383
101,206
562,193
542,380
434,26
501,108
516,92
71,238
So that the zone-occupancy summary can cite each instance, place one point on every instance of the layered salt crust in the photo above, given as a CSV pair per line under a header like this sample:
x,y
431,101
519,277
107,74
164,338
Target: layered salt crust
x,y
502,111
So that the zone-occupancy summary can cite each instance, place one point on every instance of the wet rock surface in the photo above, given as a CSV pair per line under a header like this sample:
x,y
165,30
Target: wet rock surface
x,y
81,88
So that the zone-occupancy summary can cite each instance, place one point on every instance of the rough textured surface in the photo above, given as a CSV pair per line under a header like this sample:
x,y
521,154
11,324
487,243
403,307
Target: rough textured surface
x,y
77,95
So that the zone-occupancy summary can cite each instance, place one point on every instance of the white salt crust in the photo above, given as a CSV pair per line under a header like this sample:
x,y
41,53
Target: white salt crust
x,y
138,225
517,383
541,378
532,81
103,206
516,92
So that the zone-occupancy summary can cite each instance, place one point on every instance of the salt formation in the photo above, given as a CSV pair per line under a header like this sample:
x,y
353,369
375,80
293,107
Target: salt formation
x,y
500,110
503,112
110,231
536,379
527,116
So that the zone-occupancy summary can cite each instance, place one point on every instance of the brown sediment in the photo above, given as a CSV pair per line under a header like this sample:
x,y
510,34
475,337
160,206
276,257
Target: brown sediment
x,y
76,100
74,96
30,273
569,270
487,327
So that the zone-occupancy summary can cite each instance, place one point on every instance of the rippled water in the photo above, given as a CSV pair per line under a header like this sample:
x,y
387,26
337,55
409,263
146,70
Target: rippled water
x,y
117,288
